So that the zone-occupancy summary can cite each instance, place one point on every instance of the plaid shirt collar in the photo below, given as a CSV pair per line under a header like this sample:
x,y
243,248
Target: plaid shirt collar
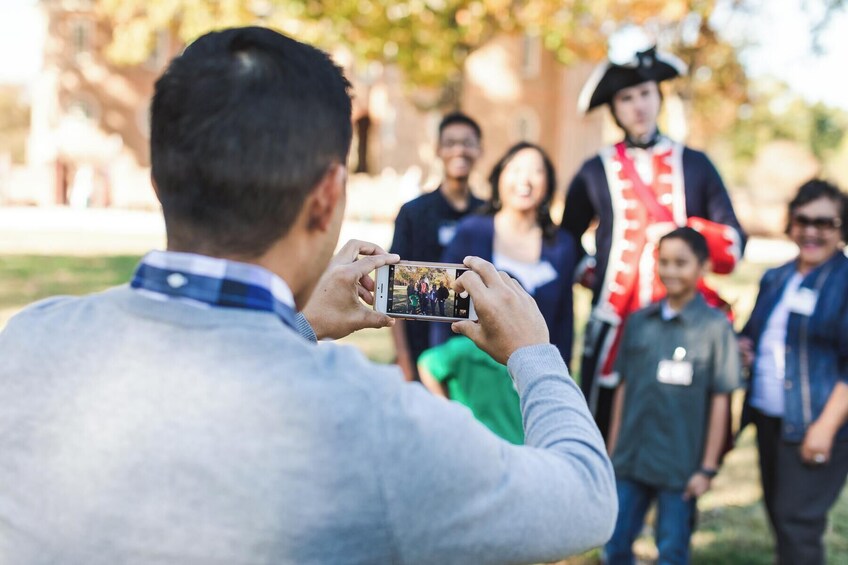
x,y
209,281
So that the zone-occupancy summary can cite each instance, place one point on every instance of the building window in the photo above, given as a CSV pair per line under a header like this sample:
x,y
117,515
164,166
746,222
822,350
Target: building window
x,y
531,55
526,125
84,108
160,52
143,121
81,37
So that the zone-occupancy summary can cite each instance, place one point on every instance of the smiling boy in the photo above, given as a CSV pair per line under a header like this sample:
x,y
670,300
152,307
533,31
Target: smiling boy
x,y
426,225
679,361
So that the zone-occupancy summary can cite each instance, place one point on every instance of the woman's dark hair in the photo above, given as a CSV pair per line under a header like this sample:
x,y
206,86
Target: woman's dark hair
x,y
813,190
543,215
692,238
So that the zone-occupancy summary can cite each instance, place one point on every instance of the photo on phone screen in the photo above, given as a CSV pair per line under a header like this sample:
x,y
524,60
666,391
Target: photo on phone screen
x,y
425,290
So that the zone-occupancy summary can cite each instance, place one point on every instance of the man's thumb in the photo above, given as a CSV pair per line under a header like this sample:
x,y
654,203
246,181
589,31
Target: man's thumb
x,y
468,329
377,320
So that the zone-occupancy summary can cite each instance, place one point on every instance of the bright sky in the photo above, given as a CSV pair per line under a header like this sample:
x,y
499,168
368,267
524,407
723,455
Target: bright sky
x,y
784,48
781,32
20,38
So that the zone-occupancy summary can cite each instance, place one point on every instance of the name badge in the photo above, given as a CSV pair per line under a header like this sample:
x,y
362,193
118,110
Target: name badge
x,y
803,301
446,233
675,373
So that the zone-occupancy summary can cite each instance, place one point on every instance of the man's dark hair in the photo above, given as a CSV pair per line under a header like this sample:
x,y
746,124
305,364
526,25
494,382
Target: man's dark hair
x,y
244,123
543,215
813,190
459,118
693,239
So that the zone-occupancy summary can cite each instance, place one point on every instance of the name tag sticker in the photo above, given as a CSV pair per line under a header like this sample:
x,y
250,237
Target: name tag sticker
x,y
446,233
803,301
675,373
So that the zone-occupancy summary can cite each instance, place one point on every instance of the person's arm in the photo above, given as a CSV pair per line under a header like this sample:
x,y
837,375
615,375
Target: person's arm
x,y
747,347
435,366
720,208
566,313
430,382
726,377
700,482
402,246
615,417
821,433
621,364
579,210
818,441
456,493
335,310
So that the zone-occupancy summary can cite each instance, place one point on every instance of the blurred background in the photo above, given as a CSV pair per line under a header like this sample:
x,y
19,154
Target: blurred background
x,y
764,97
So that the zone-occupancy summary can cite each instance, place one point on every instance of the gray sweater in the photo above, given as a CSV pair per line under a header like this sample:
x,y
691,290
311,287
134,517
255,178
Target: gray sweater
x,y
139,431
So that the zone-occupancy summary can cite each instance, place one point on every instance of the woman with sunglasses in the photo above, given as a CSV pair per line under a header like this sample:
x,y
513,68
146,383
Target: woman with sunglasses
x,y
796,345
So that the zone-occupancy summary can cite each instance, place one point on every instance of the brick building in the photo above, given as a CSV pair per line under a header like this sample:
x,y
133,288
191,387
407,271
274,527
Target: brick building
x,y
89,134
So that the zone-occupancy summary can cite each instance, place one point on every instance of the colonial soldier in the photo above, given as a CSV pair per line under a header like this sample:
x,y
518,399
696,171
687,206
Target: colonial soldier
x,y
639,189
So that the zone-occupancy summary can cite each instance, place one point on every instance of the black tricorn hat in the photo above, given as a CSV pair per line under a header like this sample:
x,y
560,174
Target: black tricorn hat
x,y
608,77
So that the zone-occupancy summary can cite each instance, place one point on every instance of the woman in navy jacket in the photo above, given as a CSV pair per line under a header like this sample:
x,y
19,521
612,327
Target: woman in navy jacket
x,y
515,232
796,344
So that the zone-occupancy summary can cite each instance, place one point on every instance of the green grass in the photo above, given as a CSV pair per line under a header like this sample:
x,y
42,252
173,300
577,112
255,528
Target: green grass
x,y
27,278
732,527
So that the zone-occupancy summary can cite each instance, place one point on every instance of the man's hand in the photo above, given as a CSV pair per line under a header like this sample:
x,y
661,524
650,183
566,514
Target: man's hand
x,y
335,309
508,317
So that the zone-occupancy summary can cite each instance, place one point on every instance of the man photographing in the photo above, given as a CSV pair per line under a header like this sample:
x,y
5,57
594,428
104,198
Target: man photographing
x,y
190,417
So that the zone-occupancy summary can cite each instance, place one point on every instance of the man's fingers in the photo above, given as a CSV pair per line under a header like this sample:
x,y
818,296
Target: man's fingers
x,y
368,248
365,265
517,286
484,269
365,295
469,281
367,282
468,329
356,247
377,320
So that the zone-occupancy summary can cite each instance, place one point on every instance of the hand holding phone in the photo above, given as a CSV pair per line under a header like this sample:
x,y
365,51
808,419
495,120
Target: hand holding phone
x,y
334,310
509,318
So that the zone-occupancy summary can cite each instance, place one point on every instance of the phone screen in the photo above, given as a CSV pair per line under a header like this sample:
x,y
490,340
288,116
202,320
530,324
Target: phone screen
x,y
421,290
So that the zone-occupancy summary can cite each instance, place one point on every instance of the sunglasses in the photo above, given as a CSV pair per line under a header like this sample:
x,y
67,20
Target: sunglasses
x,y
819,222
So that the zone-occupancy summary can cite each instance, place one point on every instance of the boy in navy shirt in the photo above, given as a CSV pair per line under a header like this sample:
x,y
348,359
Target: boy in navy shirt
x,y
425,225
679,362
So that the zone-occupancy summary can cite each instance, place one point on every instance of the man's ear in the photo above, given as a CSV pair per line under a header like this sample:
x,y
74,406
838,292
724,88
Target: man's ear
x,y
322,202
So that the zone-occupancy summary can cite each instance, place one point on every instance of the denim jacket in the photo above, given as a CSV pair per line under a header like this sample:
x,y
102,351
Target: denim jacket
x,y
816,345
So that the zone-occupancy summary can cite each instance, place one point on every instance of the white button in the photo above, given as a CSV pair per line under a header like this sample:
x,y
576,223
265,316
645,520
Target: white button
x,y
176,280
666,199
463,294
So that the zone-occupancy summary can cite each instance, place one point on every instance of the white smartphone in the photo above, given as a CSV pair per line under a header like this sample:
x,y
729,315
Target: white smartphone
x,y
422,291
